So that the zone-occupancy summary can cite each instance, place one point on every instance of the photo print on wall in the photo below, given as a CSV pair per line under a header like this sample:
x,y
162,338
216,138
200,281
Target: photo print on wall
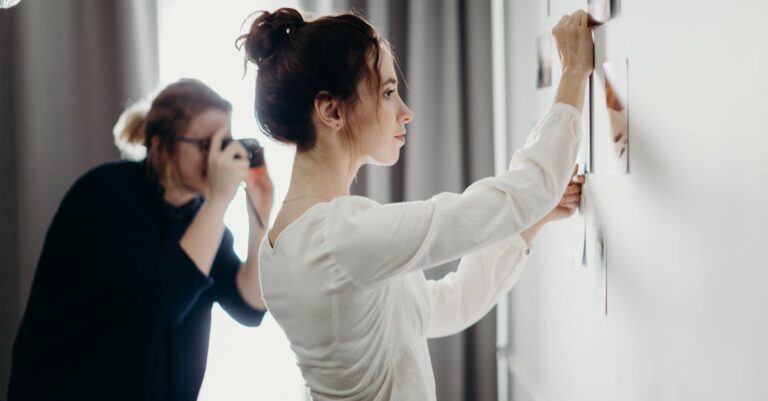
x,y
543,61
610,119
616,101
597,260
600,11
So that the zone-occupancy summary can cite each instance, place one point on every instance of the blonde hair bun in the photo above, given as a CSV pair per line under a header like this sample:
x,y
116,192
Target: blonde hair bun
x,y
130,132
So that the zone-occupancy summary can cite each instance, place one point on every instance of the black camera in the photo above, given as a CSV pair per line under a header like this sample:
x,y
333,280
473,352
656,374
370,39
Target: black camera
x,y
255,151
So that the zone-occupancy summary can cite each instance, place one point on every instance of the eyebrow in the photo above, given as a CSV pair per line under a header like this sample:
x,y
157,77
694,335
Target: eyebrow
x,y
389,81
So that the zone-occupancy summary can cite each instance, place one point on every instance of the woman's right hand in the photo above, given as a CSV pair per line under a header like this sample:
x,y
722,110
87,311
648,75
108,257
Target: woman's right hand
x,y
575,47
225,171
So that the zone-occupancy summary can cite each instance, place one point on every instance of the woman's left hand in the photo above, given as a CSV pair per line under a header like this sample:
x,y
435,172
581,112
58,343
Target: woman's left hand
x,y
260,192
570,201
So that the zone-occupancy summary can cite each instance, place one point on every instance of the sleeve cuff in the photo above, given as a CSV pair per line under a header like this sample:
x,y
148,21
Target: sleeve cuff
x,y
566,109
520,243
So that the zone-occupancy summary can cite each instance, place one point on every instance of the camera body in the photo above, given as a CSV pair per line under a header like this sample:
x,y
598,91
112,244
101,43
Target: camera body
x,y
252,146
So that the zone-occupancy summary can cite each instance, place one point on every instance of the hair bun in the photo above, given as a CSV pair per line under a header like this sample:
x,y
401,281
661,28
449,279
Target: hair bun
x,y
130,132
269,31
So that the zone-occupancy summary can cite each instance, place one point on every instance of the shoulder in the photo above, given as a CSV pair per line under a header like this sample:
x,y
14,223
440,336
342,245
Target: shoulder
x,y
348,205
111,174
116,180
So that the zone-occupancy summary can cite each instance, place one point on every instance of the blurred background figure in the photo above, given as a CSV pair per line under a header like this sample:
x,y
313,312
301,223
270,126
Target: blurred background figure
x,y
120,305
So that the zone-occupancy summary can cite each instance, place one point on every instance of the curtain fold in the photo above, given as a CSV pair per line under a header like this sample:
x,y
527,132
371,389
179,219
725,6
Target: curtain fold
x,y
69,67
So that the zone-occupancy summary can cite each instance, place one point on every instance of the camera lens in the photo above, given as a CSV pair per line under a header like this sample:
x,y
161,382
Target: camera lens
x,y
252,146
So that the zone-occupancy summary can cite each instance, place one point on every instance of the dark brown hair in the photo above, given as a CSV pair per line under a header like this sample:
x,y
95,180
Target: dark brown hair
x,y
299,60
166,119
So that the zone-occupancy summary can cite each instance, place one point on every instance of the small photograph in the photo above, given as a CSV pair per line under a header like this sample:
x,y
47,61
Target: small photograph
x,y
616,101
601,268
580,240
597,262
544,61
585,151
600,11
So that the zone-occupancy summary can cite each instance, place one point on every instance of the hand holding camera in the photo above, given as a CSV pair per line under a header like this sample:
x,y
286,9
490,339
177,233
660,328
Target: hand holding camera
x,y
227,167
258,185
252,146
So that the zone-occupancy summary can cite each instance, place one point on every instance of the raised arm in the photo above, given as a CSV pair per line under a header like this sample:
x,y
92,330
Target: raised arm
x,y
373,243
463,297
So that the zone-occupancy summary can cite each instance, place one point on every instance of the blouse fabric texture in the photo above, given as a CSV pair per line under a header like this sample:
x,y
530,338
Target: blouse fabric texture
x,y
345,279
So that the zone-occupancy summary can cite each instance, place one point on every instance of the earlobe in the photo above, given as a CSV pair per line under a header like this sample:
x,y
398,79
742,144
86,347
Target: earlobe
x,y
154,144
327,111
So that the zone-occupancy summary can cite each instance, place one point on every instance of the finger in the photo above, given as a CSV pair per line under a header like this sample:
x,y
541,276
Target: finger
x,y
575,170
573,189
579,179
563,21
216,140
577,14
569,199
258,176
576,17
575,203
583,19
235,148
262,169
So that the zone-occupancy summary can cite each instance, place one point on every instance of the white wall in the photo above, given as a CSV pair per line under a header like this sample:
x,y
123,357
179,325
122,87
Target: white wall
x,y
687,248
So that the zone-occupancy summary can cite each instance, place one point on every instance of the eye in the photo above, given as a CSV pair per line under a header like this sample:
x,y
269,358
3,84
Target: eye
x,y
388,93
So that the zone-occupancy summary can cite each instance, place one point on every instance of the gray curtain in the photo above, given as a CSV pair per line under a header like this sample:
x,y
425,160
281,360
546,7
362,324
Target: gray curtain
x,y
67,69
443,48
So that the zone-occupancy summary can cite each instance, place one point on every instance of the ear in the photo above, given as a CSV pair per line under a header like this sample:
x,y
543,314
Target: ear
x,y
328,111
154,144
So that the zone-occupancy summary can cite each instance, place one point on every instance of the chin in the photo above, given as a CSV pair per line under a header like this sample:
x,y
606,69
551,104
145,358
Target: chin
x,y
199,189
383,155
385,161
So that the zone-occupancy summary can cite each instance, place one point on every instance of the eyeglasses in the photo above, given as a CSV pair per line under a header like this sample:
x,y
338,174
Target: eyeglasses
x,y
203,144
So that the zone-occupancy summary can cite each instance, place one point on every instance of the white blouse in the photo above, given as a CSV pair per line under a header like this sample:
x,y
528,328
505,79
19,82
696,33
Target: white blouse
x,y
345,279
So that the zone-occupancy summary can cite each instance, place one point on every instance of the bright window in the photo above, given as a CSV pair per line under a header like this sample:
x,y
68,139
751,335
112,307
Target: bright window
x,y
197,41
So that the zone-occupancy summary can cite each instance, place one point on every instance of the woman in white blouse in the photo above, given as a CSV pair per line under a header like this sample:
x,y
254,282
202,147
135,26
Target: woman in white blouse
x,y
342,274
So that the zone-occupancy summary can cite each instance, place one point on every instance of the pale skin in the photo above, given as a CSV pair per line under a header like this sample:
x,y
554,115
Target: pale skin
x,y
217,176
326,171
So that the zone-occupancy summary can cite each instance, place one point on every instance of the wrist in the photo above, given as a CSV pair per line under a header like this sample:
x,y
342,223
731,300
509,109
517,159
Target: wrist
x,y
217,204
577,73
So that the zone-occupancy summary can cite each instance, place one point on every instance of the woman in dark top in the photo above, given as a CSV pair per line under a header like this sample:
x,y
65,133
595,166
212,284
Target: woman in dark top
x,y
120,307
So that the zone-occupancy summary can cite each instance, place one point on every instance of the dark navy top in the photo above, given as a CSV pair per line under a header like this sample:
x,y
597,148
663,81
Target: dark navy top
x,y
117,309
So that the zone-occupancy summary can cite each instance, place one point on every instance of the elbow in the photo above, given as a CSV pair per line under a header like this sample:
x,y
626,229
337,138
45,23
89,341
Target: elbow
x,y
253,319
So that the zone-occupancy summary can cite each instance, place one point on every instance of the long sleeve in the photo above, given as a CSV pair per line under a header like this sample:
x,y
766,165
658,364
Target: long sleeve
x,y
224,274
124,238
374,243
461,298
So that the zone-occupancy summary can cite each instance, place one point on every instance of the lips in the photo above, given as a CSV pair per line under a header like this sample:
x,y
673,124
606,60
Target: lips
x,y
400,137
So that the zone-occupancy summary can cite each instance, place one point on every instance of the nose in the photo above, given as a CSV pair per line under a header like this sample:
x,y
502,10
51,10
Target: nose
x,y
406,115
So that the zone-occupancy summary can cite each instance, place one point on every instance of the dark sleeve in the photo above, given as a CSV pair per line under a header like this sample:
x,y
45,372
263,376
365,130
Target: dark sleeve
x,y
124,239
224,274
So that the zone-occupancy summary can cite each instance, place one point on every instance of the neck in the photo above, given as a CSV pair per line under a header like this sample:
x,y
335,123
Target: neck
x,y
325,172
176,196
